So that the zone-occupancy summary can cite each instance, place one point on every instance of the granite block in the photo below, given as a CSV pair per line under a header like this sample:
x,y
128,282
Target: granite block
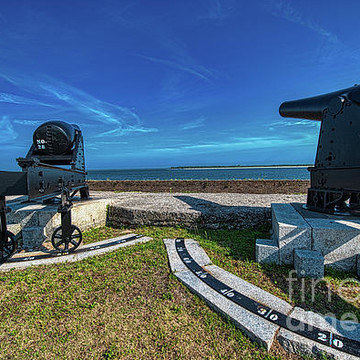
x,y
33,237
22,217
15,229
76,256
309,263
266,251
291,231
338,240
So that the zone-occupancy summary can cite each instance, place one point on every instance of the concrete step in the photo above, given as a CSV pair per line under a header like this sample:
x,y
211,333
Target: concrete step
x,y
266,251
335,237
291,231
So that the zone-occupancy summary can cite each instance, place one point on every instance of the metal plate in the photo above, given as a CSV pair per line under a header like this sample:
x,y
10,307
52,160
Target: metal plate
x,y
13,183
44,181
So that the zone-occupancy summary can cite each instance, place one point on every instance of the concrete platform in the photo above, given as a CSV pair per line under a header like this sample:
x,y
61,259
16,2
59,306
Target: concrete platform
x,y
131,209
38,221
335,237
195,210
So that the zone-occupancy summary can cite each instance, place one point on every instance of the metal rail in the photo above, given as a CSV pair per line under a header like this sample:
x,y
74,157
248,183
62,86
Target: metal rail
x,y
78,251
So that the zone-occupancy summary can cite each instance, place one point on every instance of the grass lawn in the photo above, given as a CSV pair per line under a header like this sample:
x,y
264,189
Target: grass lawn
x,y
127,305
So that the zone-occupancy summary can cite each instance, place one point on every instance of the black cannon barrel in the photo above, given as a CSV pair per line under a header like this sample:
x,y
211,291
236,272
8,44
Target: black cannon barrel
x,y
312,108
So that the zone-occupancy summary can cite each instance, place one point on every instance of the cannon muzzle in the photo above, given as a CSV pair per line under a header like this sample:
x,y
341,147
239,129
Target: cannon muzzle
x,y
312,108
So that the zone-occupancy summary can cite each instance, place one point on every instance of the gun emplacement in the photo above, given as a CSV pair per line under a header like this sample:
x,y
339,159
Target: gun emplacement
x,y
335,185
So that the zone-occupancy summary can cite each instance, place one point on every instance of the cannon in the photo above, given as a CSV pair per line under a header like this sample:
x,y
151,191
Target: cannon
x,y
53,166
335,176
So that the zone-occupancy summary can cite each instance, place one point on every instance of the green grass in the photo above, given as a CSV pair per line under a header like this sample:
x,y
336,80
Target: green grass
x,y
121,305
234,251
127,305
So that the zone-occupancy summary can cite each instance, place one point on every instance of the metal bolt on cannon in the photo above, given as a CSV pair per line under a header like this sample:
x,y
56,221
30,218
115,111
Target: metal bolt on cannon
x,y
54,165
335,177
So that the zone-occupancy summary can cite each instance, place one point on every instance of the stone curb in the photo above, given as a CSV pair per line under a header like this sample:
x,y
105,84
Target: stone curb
x,y
249,290
297,344
195,250
72,257
257,328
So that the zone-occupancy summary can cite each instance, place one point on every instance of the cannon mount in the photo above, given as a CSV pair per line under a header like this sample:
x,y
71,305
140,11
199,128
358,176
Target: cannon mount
x,y
54,165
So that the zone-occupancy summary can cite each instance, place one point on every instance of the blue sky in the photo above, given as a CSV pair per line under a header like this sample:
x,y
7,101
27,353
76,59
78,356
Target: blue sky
x,y
167,83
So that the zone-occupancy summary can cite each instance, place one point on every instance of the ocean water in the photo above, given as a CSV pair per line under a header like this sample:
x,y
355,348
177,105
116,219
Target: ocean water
x,y
298,173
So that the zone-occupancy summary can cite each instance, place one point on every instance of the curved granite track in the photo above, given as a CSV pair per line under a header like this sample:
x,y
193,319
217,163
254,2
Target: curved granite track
x,y
261,308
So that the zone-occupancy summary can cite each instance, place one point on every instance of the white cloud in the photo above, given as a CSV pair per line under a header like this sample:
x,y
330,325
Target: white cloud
x,y
194,124
196,70
284,9
28,122
15,99
241,144
127,130
286,123
118,120
7,131
219,9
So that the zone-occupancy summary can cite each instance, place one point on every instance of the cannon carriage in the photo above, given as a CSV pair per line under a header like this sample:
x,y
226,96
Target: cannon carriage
x,y
53,166
335,176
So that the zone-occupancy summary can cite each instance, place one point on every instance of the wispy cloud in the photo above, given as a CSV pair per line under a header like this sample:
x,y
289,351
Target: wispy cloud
x,y
169,49
28,122
7,131
194,124
286,123
15,99
241,144
219,9
127,130
196,70
118,120
101,145
285,10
